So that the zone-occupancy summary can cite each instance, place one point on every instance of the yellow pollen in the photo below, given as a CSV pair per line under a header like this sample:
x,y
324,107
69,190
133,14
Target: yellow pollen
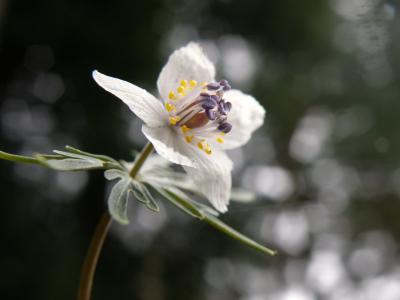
x,y
171,95
181,89
200,145
189,138
208,150
183,83
220,140
185,129
193,83
174,120
203,83
170,107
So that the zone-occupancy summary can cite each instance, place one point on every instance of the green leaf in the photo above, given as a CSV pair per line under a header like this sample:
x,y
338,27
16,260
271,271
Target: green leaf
x,y
243,196
72,164
221,226
75,155
121,193
118,201
181,201
97,156
144,193
65,161
113,174
203,213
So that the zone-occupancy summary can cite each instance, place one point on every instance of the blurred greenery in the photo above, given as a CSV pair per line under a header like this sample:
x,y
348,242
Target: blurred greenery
x,y
325,165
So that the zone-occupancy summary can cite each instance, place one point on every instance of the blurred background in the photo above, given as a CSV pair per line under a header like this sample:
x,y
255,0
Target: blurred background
x,y
325,166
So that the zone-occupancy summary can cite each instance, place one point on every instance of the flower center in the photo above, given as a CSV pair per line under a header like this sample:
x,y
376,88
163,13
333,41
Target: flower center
x,y
200,111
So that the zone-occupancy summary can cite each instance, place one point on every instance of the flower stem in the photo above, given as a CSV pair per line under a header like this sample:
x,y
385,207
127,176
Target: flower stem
x,y
18,158
92,257
147,150
93,253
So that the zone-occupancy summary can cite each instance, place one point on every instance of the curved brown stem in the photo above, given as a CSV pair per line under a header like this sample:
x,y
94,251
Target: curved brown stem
x,y
92,256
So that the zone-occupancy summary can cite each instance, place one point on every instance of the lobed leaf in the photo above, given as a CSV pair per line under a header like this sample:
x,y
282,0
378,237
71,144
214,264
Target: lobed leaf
x,y
118,201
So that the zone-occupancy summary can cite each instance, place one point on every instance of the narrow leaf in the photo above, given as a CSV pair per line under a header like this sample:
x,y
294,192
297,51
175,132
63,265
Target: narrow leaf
x,y
139,196
75,155
97,156
71,164
177,198
145,193
221,226
243,196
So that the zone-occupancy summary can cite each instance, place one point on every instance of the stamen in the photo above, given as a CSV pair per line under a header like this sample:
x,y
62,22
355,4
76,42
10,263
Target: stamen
x,y
215,98
185,129
201,111
171,95
213,86
189,116
228,106
221,107
174,120
181,89
225,85
203,145
189,138
211,115
208,103
200,145
170,107
225,127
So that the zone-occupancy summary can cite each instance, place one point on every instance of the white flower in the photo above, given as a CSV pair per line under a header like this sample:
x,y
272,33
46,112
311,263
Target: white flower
x,y
197,119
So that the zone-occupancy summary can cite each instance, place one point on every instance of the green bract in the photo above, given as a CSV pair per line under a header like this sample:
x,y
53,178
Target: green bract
x,y
155,174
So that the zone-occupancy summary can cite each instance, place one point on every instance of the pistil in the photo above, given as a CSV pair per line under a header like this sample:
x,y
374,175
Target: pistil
x,y
200,107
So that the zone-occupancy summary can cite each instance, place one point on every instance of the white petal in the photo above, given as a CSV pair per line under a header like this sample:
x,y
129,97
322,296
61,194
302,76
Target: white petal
x,y
246,116
169,144
141,103
212,176
188,63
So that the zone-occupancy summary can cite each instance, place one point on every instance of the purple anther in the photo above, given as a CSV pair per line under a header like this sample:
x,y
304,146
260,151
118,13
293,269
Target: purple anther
x,y
208,104
214,98
205,94
225,85
221,107
211,115
213,86
225,127
227,106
